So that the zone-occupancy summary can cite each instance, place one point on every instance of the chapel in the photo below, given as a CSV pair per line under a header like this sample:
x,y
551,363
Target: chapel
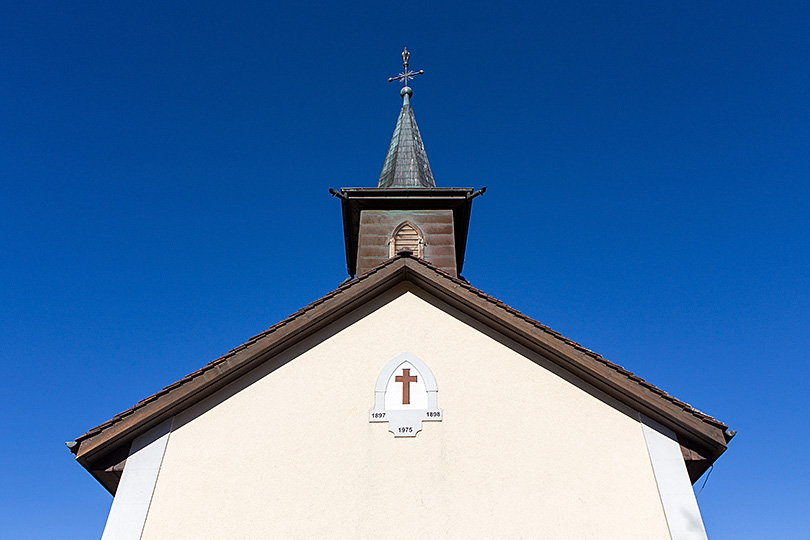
x,y
406,403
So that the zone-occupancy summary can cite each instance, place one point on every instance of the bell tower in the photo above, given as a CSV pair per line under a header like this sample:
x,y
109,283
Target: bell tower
x,y
406,211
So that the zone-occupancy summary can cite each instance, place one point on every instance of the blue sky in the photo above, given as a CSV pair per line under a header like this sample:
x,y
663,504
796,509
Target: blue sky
x,y
163,197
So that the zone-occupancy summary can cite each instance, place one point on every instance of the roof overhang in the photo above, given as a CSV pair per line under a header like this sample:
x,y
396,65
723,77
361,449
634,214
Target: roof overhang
x,y
104,449
354,200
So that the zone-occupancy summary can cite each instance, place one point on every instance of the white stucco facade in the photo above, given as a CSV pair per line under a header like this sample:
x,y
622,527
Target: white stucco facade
x,y
523,450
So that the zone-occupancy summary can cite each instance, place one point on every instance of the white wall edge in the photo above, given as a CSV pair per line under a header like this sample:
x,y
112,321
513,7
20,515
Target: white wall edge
x,y
131,503
680,506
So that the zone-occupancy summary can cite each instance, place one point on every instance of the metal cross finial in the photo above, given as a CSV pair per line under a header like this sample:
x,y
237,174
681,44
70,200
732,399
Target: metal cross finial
x,y
407,74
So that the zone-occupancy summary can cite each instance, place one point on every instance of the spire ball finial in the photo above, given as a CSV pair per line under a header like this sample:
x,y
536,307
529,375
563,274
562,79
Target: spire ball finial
x,y
406,90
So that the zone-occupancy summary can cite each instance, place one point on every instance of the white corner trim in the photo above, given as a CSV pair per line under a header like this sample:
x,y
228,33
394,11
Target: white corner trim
x,y
134,494
680,506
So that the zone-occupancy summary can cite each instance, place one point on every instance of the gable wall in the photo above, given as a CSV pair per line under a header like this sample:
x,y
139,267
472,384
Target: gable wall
x,y
288,452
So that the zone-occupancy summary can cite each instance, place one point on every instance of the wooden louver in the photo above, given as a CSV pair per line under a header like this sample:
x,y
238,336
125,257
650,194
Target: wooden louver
x,y
407,236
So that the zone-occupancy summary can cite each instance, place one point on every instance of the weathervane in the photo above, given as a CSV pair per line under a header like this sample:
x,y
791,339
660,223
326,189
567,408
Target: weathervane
x,y
407,74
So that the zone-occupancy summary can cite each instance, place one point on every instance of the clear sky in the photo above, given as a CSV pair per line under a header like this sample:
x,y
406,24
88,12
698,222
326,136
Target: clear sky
x,y
164,169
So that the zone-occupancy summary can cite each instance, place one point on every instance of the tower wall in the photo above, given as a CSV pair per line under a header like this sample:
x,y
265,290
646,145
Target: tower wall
x,y
378,226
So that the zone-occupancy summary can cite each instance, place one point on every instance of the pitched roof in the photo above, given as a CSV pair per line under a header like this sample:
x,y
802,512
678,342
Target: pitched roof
x,y
702,437
406,164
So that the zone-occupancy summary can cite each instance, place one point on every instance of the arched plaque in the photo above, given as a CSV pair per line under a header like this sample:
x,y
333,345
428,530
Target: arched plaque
x,y
405,396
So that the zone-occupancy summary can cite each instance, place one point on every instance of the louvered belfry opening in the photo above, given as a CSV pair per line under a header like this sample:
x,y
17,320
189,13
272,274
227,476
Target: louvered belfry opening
x,y
406,236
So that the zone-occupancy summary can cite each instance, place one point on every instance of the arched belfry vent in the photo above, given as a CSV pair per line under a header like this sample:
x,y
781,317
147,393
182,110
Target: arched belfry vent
x,y
407,236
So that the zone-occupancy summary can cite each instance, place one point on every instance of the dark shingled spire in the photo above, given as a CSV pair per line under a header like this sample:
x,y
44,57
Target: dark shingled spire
x,y
406,164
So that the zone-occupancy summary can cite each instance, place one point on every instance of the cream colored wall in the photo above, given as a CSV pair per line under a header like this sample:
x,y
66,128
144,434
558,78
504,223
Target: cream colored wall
x,y
521,452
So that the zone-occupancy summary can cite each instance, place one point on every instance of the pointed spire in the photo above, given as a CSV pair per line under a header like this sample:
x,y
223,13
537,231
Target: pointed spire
x,y
406,164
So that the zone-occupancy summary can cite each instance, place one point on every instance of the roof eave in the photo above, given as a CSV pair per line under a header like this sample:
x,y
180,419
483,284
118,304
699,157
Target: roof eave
x,y
103,447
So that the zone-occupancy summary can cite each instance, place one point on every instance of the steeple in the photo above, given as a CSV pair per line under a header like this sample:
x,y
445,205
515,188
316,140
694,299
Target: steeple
x,y
406,164
406,212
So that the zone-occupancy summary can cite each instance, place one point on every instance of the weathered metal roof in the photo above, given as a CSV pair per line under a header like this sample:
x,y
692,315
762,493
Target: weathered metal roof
x,y
406,164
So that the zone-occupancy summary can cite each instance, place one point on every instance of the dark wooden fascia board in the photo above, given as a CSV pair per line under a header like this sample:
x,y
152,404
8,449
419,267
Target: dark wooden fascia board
x,y
596,373
697,459
461,227
107,479
351,231
108,469
390,193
